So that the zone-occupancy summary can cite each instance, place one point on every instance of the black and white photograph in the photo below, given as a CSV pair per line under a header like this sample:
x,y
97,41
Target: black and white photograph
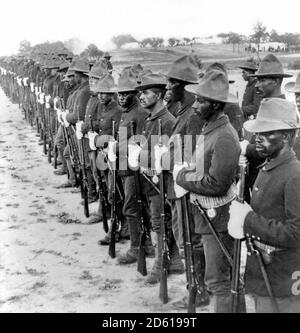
x,y
149,158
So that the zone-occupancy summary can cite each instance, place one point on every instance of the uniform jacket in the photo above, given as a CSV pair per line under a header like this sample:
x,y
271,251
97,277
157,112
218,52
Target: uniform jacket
x,y
251,100
220,157
91,110
275,220
81,99
235,115
150,133
136,114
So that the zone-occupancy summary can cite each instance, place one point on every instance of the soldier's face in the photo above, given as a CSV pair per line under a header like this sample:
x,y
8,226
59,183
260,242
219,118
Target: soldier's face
x,y
245,75
203,107
72,80
269,144
297,98
265,86
105,98
77,78
148,98
177,90
92,82
125,99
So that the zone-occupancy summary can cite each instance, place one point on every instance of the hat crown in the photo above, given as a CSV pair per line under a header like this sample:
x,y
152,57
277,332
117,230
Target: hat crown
x,y
98,70
214,85
153,79
278,110
127,80
185,69
80,65
106,84
270,65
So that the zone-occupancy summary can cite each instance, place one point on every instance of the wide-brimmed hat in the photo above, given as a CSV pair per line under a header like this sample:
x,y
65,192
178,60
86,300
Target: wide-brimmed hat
x,y
220,67
293,87
152,80
185,69
270,66
81,66
64,66
213,85
105,85
106,55
98,70
127,81
52,64
274,114
249,65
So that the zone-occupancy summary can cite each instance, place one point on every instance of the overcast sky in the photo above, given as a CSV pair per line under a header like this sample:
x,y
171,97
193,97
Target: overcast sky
x,y
96,21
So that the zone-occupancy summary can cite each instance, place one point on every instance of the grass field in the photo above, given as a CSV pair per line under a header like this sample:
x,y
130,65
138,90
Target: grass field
x,y
159,59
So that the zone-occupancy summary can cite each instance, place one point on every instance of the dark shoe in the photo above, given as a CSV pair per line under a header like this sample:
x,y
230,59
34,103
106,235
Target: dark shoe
x,y
202,299
150,250
106,240
129,257
60,172
65,185
91,200
95,219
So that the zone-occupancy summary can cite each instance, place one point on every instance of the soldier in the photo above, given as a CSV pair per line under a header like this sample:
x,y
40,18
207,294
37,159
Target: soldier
x,y
251,99
107,57
184,71
272,223
108,111
152,88
134,113
219,156
294,87
269,76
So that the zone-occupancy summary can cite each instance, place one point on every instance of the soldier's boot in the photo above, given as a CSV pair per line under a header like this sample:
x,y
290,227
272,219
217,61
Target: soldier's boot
x,y
61,160
149,248
154,275
131,255
92,192
124,231
71,181
98,216
176,265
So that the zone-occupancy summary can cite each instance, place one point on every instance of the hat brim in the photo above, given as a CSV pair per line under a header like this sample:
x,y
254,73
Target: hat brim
x,y
153,85
105,91
196,90
248,68
180,79
123,89
274,75
292,87
260,126
79,71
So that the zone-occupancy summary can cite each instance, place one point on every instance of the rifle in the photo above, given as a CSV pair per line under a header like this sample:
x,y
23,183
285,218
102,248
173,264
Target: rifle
x,y
114,219
163,286
102,197
144,225
192,282
84,182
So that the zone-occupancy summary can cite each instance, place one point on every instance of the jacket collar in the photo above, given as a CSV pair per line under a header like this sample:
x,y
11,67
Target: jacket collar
x,y
160,113
187,103
286,157
221,121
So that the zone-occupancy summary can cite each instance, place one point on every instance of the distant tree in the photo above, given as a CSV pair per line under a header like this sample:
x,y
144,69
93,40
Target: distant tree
x,y
187,40
121,40
24,47
260,35
173,41
92,52
291,39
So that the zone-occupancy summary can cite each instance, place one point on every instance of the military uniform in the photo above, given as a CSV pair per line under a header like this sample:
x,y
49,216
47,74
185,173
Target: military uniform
x,y
251,100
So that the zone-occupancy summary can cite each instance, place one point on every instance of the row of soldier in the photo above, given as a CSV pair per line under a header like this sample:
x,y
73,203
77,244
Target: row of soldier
x,y
161,154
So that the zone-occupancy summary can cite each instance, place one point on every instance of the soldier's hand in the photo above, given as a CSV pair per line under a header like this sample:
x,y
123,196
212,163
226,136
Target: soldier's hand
x,y
92,136
238,213
159,151
244,144
133,155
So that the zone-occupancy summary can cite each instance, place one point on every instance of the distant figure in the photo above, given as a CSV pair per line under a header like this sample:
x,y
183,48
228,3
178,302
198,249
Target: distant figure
x,y
107,57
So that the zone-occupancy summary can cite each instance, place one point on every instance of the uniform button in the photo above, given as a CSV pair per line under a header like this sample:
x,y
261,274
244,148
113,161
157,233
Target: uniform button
x,y
247,235
249,253
258,238
256,189
101,119
253,237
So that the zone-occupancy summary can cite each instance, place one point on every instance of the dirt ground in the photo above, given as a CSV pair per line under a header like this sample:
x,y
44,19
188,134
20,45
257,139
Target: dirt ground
x,y
49,264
